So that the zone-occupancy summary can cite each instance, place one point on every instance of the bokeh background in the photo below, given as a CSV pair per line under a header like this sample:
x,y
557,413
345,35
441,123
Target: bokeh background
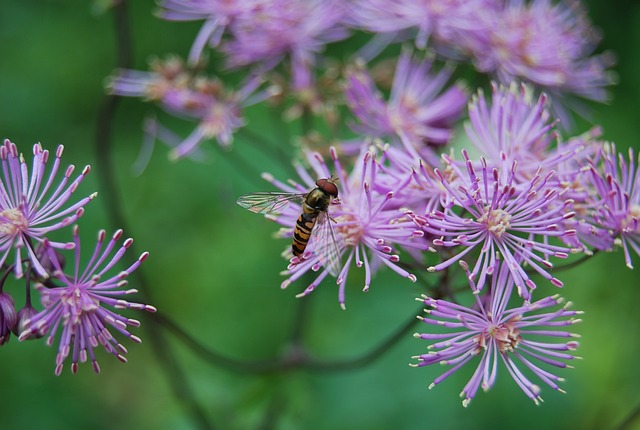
x,y
214,267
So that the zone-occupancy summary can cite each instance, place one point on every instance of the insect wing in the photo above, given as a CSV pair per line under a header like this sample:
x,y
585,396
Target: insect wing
x,y
325,244
268,202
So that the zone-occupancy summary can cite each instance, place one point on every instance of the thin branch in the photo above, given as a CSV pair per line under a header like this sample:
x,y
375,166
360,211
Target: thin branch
x,y
368,357
295,357
214,357
575,263
568,265
106,170
628,422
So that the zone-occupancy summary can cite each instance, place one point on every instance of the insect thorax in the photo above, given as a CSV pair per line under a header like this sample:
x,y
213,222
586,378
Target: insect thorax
x,y
316,201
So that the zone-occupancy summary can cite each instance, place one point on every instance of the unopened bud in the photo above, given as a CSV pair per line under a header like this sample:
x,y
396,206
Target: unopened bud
x,y
24,316
45,258
8,317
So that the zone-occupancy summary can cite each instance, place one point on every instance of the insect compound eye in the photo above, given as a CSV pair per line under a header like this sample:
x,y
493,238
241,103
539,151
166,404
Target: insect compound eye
x,y
328,187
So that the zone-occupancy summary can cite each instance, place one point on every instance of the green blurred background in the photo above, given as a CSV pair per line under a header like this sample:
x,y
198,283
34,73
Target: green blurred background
x,y
54,58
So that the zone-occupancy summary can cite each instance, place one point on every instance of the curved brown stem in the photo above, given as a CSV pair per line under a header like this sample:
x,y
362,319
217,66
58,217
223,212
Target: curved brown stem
x,y
106,170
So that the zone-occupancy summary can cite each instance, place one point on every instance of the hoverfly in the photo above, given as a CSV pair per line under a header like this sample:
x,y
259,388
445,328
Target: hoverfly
x,y
314,222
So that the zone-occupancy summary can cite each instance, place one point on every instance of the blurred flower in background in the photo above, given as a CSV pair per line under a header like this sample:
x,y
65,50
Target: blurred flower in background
x,y
216,108
421,109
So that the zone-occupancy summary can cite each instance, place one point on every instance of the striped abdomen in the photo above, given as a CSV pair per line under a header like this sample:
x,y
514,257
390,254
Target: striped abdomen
x,y
302,232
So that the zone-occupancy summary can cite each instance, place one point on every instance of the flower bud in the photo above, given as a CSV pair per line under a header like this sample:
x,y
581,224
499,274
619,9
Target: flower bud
x,y
8,317
24,315
45,258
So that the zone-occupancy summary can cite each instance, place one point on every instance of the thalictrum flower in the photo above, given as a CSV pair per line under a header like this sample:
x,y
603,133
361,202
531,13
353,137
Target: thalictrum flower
x,y
420,112
216,13
547,44
513,126
217,109
437,19
368,226
275,29
33,205
521,337
616,208
8,317
81,307
494,213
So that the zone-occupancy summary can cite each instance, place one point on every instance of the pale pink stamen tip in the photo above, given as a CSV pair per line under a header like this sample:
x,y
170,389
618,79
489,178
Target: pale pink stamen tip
x,y
557,282
334,153
127,243
117,234
143,256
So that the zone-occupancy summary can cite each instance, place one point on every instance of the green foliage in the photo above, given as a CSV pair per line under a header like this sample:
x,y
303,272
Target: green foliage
x,y
214,268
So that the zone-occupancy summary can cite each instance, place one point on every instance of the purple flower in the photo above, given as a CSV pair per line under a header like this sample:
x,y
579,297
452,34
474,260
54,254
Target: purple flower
x,y
274,29
384,16
216,13
8,317
431,18
520,337
78,308
166,77
491,212
616,208
367,224
33,205
217,109
512,127
547,44
420,111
